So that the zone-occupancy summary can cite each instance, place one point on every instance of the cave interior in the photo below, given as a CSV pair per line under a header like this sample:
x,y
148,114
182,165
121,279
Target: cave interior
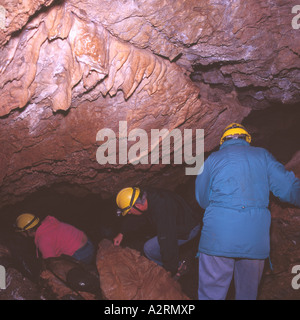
x,y
70,68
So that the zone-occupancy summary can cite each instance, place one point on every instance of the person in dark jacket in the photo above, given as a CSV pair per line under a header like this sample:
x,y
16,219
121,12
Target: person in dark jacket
x,y
174,221
234,188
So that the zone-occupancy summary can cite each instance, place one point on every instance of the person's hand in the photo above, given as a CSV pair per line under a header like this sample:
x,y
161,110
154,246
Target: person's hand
x,y
118,239
182,269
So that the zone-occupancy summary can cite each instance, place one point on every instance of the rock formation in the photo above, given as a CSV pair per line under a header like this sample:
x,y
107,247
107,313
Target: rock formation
x,y
71,68
126,275
66,74
285,249
57,278
15,286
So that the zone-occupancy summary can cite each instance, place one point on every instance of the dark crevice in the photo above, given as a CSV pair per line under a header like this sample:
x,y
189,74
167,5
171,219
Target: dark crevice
x,y
276,129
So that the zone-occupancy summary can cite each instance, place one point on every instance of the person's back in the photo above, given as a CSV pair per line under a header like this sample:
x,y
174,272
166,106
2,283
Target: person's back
x,y
173,206
234,189
240,176
236,199
54,238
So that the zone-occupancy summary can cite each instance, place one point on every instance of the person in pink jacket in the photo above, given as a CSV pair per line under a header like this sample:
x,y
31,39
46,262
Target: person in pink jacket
x,y
54,238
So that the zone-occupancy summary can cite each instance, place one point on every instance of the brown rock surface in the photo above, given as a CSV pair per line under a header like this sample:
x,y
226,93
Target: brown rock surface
x,y
54,278
63,60
71,68
285,249
17,14
126,275
130,61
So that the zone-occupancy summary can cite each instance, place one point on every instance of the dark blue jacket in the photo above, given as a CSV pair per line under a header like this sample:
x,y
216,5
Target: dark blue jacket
x,y
234,190
172,219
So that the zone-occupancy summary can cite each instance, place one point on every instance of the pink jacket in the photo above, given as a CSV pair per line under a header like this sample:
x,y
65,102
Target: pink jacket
x,y
54,238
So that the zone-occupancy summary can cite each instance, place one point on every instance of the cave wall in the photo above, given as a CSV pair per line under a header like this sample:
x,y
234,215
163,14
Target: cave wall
x,y
285,249
71,68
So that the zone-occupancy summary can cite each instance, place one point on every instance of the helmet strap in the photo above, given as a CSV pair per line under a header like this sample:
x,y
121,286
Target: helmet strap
x,y
136,208
130,204
25,228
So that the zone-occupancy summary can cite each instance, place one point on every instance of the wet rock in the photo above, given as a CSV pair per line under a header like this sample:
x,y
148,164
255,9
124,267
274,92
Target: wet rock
x,y
19,288
16,286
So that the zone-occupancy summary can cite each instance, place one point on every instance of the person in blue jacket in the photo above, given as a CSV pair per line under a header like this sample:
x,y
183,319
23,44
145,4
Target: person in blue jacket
x,y
234,188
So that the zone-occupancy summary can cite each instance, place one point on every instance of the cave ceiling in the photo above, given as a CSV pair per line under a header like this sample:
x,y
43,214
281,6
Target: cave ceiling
x,y
70,68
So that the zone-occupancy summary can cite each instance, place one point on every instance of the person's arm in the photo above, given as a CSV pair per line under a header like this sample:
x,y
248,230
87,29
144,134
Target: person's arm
x,y
283,183
202,185
130,224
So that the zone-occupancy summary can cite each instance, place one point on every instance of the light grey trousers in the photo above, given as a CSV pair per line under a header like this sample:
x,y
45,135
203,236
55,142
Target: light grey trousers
x,y
215,275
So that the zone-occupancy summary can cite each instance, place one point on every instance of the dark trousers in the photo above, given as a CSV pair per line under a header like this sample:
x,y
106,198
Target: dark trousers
x,y
152,248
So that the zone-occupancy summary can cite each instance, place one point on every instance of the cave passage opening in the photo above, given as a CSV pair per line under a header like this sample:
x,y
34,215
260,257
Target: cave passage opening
x,y
90,213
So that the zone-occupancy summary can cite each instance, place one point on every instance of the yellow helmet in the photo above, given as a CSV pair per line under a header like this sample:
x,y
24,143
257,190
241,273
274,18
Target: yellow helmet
x,y
126,199
235,130
26,221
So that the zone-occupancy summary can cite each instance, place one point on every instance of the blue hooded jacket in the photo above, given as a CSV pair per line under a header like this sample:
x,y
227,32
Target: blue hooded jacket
x,y
234,188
